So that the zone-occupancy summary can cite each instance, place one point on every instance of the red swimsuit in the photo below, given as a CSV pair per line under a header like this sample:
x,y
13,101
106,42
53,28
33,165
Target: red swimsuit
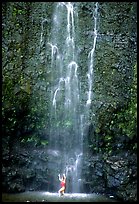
x,y
63,184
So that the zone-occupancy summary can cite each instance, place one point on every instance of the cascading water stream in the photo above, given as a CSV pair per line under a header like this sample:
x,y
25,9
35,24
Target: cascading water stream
x,y
91,56
64,139
67,115
90,78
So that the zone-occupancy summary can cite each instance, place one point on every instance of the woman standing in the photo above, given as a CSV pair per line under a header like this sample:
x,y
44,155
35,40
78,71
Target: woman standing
x,y
62,184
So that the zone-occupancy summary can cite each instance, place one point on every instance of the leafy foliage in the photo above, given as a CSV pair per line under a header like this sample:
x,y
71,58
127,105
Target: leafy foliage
x,y
120,130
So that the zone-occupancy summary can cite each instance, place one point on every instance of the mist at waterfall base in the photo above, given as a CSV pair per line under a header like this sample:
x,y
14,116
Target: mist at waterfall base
x,y
69,104
39,196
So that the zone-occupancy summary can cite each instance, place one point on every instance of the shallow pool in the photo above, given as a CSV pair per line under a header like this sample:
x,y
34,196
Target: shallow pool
x,y
39,196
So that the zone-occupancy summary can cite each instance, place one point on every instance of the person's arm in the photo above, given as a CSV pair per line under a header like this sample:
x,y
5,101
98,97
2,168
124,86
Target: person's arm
x,y
59,177
64,177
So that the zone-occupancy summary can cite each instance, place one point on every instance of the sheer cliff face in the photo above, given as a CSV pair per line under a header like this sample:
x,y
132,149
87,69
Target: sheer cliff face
x,y
25,50
27,77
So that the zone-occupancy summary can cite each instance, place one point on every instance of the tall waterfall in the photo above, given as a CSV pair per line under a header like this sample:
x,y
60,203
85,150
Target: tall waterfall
x,y
91,57
67,112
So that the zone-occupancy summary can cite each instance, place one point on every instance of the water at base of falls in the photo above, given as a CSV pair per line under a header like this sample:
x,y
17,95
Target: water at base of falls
x,y
38,196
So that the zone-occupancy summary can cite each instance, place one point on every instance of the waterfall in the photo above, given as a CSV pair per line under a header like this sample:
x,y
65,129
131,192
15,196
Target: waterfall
x,y
89,114
67,115
91,57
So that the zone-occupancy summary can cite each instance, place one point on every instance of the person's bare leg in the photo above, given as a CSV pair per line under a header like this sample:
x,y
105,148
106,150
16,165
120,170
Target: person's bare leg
x,y
60,191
